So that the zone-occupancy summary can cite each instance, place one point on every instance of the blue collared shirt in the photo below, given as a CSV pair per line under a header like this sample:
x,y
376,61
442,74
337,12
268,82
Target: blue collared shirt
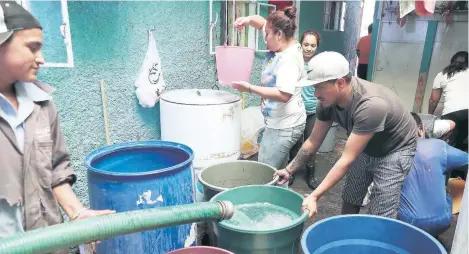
x,y
424,198
11,217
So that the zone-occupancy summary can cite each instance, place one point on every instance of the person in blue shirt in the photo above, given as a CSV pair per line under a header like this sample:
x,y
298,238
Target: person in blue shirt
x,y
424,201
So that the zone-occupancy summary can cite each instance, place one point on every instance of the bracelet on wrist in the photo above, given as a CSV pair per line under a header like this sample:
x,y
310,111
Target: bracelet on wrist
x,y
75,216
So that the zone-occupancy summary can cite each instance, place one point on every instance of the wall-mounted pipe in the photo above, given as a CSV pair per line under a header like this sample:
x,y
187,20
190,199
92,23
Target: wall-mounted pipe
x,y
69,234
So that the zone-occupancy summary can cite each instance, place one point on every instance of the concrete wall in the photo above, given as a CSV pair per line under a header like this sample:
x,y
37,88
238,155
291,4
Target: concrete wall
x,y
109,43
408,58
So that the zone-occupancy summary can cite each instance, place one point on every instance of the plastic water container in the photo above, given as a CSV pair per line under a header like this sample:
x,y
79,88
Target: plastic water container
x,y
233,63
281,240
232,174
357,234
140,175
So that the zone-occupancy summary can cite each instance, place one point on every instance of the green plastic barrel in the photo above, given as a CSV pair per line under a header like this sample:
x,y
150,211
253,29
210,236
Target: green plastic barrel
x,y
227,175
285,239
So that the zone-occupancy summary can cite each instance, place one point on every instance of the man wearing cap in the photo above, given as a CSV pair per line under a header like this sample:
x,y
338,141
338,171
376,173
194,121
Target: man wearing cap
x,y
381,143
36,176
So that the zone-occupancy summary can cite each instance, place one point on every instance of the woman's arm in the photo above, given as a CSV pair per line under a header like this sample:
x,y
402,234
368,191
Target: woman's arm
x,y
255,21
434,100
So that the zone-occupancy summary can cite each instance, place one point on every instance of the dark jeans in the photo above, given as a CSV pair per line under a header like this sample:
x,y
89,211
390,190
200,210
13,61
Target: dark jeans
x,y
459,135
362,71
310,120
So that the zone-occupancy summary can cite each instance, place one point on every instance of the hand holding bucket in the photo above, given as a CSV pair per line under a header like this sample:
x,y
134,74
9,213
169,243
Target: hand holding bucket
x,y
283,176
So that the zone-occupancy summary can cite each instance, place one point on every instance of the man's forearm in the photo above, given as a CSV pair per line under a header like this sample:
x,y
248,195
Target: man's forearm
x,y
304,155
67,199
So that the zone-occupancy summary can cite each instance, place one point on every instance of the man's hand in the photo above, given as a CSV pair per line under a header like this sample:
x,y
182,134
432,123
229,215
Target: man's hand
x,y
310,204
93,213
284,176
241,86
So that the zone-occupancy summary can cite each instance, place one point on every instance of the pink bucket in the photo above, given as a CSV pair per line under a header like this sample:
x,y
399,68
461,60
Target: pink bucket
x,y
201,250
234,64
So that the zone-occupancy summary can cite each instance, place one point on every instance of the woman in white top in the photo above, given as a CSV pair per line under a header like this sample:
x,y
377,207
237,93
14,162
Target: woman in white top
x,y
453,83
282,106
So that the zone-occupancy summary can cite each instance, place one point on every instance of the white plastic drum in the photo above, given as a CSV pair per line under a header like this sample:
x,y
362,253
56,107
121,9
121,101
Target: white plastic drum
x,y
208,121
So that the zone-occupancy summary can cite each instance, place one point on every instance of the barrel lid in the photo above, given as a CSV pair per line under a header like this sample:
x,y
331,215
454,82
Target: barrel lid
x,y
199,97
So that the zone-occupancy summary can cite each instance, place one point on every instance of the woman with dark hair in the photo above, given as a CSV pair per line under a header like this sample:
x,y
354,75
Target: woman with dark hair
x,y
309,43
452,82
283,69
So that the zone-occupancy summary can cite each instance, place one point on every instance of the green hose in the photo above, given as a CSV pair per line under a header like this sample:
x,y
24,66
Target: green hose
x,y
69,234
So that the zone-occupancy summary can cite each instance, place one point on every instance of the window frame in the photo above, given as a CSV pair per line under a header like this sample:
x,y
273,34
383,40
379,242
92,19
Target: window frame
x,y
338,18
64,30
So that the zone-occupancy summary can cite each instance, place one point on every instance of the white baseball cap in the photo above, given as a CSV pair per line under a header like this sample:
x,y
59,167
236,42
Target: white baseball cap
x,y
326,66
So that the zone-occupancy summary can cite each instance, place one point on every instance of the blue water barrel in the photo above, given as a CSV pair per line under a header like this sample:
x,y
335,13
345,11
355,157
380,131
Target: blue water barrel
x,y
140,175
358,234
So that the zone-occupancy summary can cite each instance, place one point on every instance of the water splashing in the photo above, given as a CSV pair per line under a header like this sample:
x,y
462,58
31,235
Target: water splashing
x,y
261,216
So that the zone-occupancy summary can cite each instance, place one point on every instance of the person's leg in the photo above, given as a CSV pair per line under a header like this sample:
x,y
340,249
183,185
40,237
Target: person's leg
x,y
365,71
458,136
361,71
389,173
356,185
293,152
276,145
460,132
462,118
310,165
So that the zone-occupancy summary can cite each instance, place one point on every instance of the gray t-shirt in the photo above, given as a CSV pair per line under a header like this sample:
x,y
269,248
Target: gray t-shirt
x,y
375,109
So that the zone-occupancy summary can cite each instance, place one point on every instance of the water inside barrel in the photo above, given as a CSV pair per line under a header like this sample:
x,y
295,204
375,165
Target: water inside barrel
x,y
261,216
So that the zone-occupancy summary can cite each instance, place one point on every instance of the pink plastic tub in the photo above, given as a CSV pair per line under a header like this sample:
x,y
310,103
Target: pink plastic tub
x,y
201,250
234,63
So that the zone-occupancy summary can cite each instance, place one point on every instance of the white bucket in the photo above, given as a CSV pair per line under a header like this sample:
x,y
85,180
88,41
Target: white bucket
x,y
328,145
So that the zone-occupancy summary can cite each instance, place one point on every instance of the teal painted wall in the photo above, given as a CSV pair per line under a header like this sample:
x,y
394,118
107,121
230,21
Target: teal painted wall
x,y
312,17
109,43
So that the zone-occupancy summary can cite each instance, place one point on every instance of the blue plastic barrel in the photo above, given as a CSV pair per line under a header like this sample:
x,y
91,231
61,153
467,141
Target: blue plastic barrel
x,y
141,175
358,234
